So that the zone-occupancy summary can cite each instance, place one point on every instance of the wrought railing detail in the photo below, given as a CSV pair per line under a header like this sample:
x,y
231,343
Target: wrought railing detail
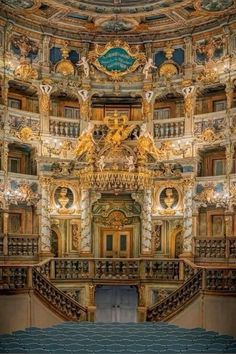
x,y
67,307
13,277
175,301
221,279
116,269
162,270
71,269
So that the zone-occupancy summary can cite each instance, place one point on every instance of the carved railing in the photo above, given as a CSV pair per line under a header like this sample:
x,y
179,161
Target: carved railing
x,y
13,277
64,305
23,245
117,269
215,247
221,280
168,128
162,270
64,127
67,269
176,300
19,245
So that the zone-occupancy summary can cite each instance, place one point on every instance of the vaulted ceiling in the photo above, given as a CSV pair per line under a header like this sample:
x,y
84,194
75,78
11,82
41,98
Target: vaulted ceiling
x,y
148,19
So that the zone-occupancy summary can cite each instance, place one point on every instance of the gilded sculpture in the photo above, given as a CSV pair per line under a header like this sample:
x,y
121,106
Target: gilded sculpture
x,y
118,129
85,143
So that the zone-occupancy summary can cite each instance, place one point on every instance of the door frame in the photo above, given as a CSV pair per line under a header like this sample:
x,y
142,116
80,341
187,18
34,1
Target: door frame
x,y
109,229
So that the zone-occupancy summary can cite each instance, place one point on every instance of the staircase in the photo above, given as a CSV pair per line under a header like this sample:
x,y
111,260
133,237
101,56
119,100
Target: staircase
x,y
85,337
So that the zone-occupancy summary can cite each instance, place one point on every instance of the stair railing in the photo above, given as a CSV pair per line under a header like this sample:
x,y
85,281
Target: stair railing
x,y
170,305
63,304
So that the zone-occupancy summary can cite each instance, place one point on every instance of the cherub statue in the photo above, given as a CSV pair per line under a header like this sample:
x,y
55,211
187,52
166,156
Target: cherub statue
x,y
148,66
85,142
85,64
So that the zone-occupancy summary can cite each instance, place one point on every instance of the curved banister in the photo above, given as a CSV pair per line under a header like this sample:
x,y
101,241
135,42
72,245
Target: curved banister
x,y
64,305
166,308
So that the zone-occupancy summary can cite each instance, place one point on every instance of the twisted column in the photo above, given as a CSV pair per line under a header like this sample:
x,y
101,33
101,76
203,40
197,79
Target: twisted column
x,y
44,216
86,220
188,219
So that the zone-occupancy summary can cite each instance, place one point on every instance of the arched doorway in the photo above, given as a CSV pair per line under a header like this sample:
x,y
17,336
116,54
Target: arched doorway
x,y
116,303
54,243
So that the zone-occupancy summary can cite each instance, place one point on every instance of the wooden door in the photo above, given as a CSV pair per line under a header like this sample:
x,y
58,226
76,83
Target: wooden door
x,y
116,304
116,244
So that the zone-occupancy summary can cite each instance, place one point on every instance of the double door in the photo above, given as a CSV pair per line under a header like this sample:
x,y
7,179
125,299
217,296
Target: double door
x,y
116,244
116,304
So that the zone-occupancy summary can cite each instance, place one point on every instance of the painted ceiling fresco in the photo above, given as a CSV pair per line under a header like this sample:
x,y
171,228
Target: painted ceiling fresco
x,y
127,17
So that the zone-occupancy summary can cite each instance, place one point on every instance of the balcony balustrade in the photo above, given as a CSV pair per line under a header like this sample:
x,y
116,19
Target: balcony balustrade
x,y
19,246
64,127
214,248
169,128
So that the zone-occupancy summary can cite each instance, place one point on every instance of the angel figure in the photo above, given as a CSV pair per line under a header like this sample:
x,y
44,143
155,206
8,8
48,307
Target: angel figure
x,y
85,64
148,66
85,142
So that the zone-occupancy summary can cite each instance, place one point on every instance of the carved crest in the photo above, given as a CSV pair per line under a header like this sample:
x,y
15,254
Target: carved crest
x,y
116,58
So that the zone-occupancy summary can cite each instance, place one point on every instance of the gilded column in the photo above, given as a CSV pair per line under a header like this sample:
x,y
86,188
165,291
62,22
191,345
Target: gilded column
x,y
86,220
44,216
188,218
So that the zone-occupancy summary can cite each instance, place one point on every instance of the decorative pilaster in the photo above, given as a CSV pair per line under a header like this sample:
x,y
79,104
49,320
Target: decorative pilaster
x,y
229,91
44,216
145,201
44,105
46,52
85,238
4,157
229,152
188,218
189,93
188,57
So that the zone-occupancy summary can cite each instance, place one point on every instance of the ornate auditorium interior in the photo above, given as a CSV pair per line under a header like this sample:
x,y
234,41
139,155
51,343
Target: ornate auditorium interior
x,y
117,175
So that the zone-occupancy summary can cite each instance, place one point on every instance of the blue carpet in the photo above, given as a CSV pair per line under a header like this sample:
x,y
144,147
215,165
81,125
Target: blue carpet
x,y
85,337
